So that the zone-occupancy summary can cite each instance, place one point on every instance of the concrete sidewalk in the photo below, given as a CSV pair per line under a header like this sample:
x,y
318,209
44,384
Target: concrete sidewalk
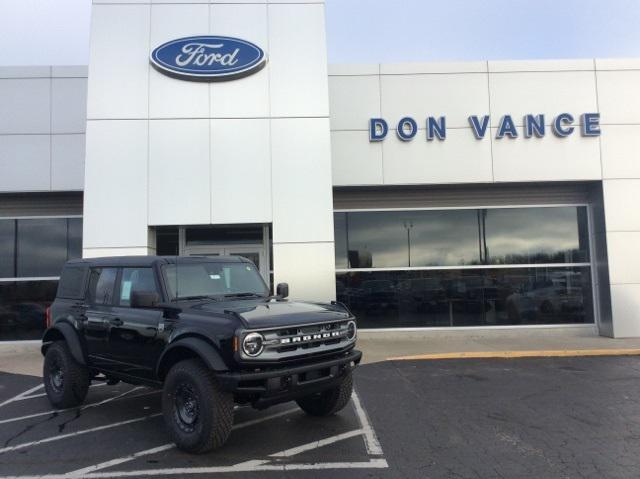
x,y
25,358
382,345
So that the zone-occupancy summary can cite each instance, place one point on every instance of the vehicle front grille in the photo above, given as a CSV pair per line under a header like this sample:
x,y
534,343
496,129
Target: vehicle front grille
x,y
300,340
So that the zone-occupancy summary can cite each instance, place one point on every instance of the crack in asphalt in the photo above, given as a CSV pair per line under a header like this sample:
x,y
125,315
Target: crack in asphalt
x,y
30,427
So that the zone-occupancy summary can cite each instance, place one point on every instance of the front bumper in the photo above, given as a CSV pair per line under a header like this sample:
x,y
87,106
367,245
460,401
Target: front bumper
x,y
273,386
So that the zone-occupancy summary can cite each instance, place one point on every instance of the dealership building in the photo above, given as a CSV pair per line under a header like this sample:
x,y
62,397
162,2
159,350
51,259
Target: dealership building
x,y
437,195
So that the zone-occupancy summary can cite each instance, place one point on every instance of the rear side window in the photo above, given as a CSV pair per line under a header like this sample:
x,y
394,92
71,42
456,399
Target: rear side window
x,y
72,281
102,282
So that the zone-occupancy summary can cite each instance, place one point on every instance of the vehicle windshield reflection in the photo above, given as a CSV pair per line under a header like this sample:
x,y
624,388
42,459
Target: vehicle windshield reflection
x,y
214,280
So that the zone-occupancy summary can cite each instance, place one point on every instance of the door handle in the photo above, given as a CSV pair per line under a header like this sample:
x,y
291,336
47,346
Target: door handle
x,y
116,322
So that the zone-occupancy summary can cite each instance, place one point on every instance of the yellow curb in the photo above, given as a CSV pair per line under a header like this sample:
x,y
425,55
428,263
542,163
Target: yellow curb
x,y
521,354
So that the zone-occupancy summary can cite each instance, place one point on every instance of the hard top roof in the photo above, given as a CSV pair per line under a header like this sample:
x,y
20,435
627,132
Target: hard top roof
x,y
142,261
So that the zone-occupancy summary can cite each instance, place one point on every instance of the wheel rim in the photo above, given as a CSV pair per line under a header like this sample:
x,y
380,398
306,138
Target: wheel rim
x,y
56,376
186,406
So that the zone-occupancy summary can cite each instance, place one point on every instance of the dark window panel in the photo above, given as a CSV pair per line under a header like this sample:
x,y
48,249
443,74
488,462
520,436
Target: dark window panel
x,y
443,238
74,238
167,241
72,282
22,308
469,297
41,247
536,235
7,248
377,240
340,236
224,234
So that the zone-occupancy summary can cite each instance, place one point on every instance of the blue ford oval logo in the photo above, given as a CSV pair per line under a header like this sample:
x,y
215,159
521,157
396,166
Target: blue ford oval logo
x,y
208,58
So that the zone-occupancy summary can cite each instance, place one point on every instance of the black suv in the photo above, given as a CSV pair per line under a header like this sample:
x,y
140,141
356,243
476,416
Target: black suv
x,y
205,330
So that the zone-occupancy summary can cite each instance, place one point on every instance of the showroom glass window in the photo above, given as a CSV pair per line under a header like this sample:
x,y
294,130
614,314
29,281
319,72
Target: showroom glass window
x,y
32,253
465,267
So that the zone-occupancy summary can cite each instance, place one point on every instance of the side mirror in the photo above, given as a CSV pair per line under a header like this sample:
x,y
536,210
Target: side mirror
x,y
282,290
144,299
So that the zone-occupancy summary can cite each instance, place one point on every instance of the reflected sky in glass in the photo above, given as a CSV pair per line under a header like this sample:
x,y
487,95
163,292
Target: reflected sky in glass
x,y
388,239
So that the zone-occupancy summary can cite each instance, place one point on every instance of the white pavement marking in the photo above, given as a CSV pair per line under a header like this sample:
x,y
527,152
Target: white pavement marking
x,y
248,466
95,404
317,444
77,433
165,447
44,394
21,395
120,460
370,439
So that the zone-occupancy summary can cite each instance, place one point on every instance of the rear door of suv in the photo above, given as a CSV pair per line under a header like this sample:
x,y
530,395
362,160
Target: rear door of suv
x,y
100,315
134,344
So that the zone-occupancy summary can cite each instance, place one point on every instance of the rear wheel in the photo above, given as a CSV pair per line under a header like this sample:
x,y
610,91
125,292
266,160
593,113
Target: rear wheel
x,y
66,381
198,415
328,402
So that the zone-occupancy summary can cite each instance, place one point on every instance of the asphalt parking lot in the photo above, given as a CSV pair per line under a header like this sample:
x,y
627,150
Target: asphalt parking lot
x,y
492,418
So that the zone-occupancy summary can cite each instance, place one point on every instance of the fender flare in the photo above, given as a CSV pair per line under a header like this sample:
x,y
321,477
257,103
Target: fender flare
x,y
205,351
71,337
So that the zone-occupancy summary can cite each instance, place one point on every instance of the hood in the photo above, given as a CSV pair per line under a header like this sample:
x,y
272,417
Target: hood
x,y
261,314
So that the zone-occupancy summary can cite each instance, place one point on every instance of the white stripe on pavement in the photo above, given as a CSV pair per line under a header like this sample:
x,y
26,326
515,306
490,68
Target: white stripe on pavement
x,y
21,395
370,439
77,433
44,394
248,466
165,447
95,404
317,444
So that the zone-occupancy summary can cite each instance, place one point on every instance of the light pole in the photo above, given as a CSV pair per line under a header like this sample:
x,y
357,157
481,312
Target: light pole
x,y
408,224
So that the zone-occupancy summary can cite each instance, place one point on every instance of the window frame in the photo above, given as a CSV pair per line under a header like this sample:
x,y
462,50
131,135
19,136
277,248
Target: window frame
x,y
595,301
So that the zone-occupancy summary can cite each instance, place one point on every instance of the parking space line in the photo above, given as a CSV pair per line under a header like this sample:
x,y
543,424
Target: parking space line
x,y
76,433
21,395
317,444
248,466
121,460
95,404
44,394
371,442
166,447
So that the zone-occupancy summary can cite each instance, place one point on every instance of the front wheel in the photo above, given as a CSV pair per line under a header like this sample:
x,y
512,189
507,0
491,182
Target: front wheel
x,y
329,402
198,415
66,382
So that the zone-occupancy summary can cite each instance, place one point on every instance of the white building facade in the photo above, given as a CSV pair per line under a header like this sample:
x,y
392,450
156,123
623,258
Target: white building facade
x,y
477,194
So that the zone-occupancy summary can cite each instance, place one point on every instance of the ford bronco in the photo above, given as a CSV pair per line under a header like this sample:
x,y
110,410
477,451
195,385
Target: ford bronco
x,y
206,331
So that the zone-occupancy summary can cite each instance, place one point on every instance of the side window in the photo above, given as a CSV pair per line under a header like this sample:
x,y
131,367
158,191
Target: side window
x,y
102,283
136,280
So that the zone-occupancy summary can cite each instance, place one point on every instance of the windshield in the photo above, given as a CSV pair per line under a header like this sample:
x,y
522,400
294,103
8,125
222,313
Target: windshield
x,y
213,279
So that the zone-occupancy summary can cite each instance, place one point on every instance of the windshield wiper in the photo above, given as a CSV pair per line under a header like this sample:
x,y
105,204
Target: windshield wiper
x,y
243,295
197,296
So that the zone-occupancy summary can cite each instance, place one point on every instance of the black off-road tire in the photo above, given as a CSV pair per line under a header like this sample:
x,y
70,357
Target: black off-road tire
x,y
329,402
66,381
189,387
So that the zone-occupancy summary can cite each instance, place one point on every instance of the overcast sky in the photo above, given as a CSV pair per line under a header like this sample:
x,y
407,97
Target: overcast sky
x,y
40,32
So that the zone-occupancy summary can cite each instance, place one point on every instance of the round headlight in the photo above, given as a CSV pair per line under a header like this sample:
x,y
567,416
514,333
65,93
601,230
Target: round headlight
x,y
352,330
253,344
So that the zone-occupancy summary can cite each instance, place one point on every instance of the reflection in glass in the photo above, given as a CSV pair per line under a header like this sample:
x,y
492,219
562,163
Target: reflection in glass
x,y
7,248
399,239
41,247
74,238
536,235
22,308
469,297
340,236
